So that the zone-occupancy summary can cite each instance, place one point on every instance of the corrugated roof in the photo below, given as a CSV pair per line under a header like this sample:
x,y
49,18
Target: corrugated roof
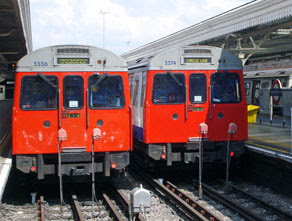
x,y
246,16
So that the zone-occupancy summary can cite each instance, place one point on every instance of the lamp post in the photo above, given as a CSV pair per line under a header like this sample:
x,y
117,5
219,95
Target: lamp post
x,y
127,44
103,28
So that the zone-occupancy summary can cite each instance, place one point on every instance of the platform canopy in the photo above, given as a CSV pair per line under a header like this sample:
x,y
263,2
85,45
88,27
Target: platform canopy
x,y
15,34
258,28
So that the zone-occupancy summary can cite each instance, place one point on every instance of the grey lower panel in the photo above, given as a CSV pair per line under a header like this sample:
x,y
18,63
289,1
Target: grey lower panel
x,y
188,152
72,164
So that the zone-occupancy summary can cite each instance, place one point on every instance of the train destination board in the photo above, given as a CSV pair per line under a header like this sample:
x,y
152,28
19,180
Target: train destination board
x,y
72,60
197,60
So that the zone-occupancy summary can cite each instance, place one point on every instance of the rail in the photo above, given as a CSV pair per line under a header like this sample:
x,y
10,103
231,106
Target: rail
x,y
76,208
193,209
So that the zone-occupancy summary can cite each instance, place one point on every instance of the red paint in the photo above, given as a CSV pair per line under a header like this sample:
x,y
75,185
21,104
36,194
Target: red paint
x,y
31,137
159,127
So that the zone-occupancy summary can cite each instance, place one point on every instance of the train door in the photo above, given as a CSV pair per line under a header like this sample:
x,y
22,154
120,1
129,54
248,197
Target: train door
x,y
247,88
73,114
107,111
166,110
227,103
137,110
256,92
198,107
2,92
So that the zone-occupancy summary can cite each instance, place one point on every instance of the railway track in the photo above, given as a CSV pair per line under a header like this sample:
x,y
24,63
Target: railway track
x,y
193,209
114,202
246,205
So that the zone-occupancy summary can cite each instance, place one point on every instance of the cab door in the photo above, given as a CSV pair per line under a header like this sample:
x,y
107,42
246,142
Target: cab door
x,y
166,109
228,105
73,114
35,113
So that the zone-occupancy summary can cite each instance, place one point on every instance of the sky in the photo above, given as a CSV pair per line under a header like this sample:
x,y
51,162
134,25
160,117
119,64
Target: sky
x,y
128,24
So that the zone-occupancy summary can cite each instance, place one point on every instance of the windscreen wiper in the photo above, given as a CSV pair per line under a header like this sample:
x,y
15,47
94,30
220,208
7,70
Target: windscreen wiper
x,y
46,80
100,79
175,78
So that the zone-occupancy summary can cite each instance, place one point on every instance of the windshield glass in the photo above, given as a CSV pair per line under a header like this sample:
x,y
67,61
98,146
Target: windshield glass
x,y
225,88
37,94
109,93
73,92
168,90
197,88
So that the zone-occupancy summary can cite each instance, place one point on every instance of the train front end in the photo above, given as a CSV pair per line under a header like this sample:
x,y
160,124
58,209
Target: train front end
x,y
71,112
193,96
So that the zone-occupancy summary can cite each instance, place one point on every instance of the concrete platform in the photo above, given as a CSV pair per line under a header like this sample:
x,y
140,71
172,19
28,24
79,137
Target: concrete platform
x,y
271,139
5,161
5,143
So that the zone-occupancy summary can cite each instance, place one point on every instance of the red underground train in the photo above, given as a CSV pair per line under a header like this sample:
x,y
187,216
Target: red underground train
x,y
71,112
185,97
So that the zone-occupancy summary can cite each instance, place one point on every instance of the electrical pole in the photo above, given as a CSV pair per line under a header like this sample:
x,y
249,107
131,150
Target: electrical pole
x,y
127,44
103,20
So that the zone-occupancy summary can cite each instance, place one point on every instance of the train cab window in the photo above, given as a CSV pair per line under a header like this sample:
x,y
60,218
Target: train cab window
x,y
168,88
38,94
106,92
225,88
197,88
73,92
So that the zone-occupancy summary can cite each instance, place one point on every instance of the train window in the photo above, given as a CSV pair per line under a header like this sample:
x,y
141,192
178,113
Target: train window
x,y
107,93
225,88
131,83
73,92
247,87
197,88
265,85
143,89
168,89
38,94
135,93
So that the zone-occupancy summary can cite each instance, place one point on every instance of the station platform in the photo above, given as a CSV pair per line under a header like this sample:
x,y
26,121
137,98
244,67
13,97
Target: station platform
x,y
270,138
5,143
5,160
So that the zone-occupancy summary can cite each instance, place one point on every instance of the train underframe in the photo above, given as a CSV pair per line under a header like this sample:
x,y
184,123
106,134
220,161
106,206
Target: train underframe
x,y
189,152
72,164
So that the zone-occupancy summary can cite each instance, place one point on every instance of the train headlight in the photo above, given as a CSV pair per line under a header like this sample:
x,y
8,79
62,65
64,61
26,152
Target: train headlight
x,y
47,124
175,116
99,123
220,115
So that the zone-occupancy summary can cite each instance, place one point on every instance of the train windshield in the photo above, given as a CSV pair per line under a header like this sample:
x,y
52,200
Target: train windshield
x,y
73,92
38,94
106,91
197,88
225,88
168,89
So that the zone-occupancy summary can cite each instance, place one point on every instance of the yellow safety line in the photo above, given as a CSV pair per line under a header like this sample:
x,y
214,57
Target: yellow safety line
x,y
5,141
267,147
286,146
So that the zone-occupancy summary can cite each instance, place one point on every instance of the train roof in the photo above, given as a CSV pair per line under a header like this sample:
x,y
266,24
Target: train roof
x,y
284,72
189,57
71,58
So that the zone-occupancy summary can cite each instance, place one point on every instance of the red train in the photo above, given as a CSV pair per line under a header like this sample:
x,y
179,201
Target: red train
x,y
186,95
71,112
